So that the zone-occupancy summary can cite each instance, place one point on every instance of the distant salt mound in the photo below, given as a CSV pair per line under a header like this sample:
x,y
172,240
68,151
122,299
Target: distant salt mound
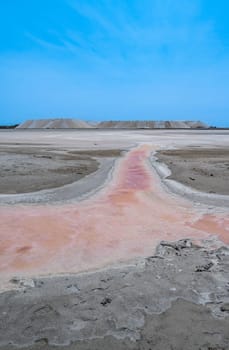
x,y
54,124
150,124
62,123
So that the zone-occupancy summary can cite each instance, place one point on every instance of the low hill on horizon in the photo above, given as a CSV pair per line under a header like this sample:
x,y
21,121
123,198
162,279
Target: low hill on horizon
x,y
56,123
152,124
67,123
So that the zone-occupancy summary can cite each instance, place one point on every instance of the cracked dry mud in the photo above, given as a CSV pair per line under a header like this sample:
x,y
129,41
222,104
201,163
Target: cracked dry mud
x,y
164,301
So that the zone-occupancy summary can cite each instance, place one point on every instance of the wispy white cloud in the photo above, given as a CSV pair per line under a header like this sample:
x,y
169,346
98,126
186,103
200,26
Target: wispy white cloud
x,y
158,24
133,32
43,42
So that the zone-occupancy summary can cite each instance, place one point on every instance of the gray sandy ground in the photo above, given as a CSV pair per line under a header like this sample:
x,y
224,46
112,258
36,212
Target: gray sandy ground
x,y
178,298
28,169
205,169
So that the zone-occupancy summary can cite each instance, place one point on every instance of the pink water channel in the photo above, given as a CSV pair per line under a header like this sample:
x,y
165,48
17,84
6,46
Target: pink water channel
x,y
126,219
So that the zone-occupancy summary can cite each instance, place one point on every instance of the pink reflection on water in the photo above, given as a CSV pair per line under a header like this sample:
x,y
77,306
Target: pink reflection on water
x,y
126,220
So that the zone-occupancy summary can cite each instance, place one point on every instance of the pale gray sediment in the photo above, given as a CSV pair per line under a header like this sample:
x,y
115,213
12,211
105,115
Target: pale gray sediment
x,y
176,187
178,298
75,191
204,168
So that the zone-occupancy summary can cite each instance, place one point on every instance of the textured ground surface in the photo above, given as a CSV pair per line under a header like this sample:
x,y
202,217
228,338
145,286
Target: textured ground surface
x,y
178,298
35,239
25,170
205,169
149,295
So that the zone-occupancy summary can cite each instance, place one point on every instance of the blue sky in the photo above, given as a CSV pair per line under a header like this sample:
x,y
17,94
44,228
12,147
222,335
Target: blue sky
x,y
114,59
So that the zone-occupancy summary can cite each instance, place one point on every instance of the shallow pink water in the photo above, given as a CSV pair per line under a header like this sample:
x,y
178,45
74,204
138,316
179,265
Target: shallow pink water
x,y
125,220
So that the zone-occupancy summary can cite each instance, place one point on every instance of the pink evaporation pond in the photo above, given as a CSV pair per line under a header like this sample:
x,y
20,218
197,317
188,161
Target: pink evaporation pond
x,y
125,220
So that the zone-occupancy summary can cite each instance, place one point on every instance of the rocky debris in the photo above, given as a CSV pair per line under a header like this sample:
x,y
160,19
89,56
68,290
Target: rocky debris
x,y
223,251
106,301
205,267
178,245
151,303
166,248
73,288
23,282
224,307
39,283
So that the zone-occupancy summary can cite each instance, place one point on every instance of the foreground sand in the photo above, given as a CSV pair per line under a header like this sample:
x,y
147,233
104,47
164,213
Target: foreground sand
x,y
124,220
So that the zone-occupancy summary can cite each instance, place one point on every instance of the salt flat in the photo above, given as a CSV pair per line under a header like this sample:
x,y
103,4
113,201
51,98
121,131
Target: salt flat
x,y
113,218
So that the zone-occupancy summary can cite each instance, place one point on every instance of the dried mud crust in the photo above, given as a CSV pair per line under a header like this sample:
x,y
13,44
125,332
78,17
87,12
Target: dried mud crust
x,y
29,169
204,169
178,298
